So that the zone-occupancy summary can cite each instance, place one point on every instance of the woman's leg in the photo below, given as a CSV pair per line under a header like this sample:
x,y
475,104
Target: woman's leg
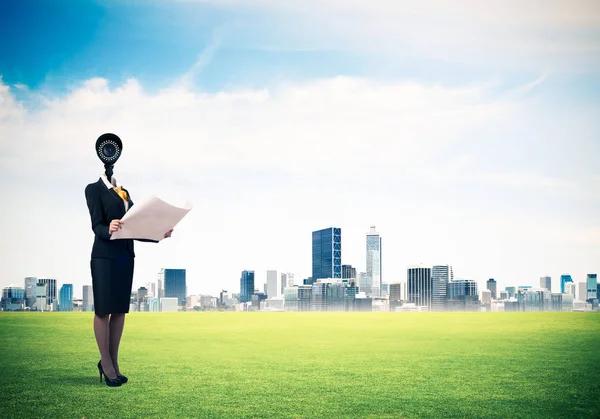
x,y
117,323
101,330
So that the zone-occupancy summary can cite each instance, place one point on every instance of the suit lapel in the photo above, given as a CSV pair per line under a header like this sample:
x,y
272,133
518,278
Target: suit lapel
x,y
114,194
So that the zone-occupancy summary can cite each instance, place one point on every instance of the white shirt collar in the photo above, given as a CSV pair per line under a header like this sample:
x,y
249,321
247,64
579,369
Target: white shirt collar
x,y
107,183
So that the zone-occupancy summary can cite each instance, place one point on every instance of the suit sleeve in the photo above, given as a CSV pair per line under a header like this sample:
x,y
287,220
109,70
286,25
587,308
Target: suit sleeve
x,y
94,204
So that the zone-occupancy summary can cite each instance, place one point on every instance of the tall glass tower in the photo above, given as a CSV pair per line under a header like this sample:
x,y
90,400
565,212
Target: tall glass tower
x,y
564,280
65,299
175,285
374,261
246,286
441,275
327,253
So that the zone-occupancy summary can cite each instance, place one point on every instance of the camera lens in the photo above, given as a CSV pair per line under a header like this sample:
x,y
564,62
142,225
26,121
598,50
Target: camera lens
x,y
109,150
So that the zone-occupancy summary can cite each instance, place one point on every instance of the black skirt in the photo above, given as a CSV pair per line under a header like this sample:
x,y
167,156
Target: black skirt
x,y
111,283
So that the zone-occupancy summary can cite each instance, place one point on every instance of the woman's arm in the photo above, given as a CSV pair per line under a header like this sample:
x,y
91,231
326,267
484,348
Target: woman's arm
x,y
99,227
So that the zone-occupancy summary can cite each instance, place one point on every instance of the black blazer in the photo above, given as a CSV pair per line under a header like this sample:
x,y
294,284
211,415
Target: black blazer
x,y
106,205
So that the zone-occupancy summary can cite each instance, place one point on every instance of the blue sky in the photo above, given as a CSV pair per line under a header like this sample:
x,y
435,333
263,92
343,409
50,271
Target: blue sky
x,y
467,134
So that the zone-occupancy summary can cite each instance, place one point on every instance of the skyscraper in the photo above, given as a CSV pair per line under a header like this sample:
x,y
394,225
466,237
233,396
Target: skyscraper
x,y
492,286
374,260
565,279
463,295
546,282
419,286
50,290
581,291
440,276
246,286
592,286
327,253
175,285
273,284
87,303
30,287
160,284
66,297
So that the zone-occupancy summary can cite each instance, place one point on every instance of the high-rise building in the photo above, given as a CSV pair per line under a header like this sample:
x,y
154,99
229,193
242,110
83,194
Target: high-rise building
x,y
175,285
492,286
546,283
142,294
160,284
66,297
348,272
486,296
581,291
398,291
51,290
419,290
87,303
287,280
374,260
327,253
246,286
30,287
41,297
512,291
592,286
565,279
273,284
440,276
365,284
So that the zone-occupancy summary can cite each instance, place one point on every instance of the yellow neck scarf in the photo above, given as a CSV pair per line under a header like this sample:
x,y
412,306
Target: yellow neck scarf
x,y
121,193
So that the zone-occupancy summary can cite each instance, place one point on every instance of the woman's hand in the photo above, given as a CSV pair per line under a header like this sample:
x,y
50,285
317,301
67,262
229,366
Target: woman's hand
x,y
168,233
114,226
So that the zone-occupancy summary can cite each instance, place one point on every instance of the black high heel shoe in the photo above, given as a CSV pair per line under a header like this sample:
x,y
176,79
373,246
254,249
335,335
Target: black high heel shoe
x,y
122,378
109,382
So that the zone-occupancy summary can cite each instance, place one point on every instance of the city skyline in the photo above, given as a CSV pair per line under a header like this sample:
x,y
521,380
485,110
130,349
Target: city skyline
x,y
277,119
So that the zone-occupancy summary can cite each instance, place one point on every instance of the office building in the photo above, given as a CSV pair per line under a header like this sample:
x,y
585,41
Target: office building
x,y
175,285
564,280
327,253
512,291
41,297
273,288
169,304
66,297
13,298
374,261
160,284
154,304
87,302
287,280
592,286
30,287
463,295
493,287
246,286
365,284
486,297
546,283
50,290
441,275
348,272
581,291
419,289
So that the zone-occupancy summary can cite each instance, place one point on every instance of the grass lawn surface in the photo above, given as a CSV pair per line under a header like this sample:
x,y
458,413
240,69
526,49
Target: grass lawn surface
x,y
295,365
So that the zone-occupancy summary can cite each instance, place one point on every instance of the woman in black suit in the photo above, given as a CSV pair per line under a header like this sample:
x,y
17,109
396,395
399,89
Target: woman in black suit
x,y
111,266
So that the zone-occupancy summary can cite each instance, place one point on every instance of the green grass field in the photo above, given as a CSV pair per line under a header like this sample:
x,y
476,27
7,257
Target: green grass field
x,y
384,365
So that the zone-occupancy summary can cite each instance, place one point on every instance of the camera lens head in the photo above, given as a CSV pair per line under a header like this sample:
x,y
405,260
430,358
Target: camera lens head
x,y
109,148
